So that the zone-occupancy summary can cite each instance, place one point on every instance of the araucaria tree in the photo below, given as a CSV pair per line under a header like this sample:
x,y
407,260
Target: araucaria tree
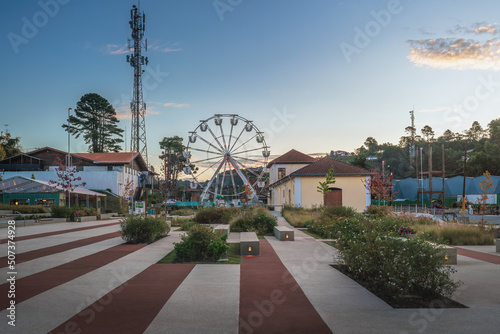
x,y
172,163
95,119
66,178
324,187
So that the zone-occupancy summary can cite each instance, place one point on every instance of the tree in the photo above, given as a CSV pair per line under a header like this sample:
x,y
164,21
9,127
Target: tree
x,y
360,161
172,163
371,144
428,133
8,145
324,187
485,186
95,119
475,132
380,185
66,178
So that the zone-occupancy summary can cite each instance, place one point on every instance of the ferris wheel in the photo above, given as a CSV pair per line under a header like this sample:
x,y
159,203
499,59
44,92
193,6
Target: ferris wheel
x,y
229,155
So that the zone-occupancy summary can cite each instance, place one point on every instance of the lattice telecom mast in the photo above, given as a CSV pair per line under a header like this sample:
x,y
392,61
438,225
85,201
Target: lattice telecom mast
x,y
138,106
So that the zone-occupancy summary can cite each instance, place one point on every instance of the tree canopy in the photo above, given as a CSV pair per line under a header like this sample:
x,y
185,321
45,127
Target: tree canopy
x,y
9,146
95,119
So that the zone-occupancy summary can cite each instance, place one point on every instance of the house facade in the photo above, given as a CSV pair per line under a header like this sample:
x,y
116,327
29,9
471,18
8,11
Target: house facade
x,y
299,188
99,171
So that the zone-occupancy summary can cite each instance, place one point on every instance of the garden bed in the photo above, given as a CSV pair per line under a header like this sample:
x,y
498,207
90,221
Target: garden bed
x,y
232,256
401,301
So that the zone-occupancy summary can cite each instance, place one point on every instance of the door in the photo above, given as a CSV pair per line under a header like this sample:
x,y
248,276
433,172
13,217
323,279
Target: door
x,y
333,197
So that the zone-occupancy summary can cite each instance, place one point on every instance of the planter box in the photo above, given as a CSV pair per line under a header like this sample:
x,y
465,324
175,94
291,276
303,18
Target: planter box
x,y
249,244
283,233
222,229
85,219
108,215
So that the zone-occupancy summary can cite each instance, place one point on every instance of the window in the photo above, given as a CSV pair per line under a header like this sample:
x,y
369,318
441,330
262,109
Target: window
x,y
281,173
110,168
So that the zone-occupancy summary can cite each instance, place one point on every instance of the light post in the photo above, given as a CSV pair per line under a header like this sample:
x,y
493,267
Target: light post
x,y
68,163
422,173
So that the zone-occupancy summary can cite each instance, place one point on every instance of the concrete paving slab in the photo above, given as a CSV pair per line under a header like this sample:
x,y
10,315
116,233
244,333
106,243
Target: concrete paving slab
x,y
48,310
207,301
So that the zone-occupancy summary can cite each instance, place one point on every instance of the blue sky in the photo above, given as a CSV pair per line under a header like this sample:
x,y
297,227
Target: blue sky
x,y
315,75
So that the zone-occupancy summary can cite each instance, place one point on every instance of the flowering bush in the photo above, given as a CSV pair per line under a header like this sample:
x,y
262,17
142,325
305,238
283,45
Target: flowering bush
x,y
405,230
370,253
200,244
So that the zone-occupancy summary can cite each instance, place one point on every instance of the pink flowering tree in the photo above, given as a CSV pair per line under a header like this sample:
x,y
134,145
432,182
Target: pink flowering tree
x,y
66,178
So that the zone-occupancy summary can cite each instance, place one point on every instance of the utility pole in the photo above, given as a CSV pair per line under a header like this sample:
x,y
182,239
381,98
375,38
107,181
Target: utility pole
x,y
138,106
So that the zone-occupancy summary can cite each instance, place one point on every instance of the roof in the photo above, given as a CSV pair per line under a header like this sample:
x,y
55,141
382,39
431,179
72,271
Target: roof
x,y
292,157
20,184
107,158
323,165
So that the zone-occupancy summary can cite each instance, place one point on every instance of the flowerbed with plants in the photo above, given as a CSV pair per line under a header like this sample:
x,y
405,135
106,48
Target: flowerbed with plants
x,y
138,229
402,272
71,212
24,209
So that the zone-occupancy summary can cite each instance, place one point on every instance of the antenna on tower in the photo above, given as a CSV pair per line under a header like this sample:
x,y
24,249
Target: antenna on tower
x,y
137,105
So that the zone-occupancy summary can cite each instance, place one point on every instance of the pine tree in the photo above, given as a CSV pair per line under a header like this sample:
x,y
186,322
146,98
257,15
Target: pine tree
x,y
95,119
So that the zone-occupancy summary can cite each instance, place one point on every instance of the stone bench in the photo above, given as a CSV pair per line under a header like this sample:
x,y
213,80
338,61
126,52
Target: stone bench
x,y
283,233
222,229
249,244
85,219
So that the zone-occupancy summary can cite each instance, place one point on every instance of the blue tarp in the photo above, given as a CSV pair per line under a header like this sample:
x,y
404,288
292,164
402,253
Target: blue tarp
x,y
407,188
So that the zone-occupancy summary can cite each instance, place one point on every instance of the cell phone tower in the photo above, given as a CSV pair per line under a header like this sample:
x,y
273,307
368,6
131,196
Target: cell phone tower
x,y
138,106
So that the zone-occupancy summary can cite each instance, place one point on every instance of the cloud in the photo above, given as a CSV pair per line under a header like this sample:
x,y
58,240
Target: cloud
x,y
125,114
155,46
115,49
175,105
459,54
476,28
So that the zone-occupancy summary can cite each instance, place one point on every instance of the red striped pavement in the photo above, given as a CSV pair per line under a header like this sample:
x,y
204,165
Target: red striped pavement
x,y
35,284
46,234
495,259
37,253
132,306
269,297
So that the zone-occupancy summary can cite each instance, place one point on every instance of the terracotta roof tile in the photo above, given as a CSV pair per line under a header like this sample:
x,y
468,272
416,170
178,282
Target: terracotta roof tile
x,y
292,157
322,166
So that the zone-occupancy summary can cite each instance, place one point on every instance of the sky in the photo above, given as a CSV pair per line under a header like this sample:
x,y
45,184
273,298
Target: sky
x,y
314,76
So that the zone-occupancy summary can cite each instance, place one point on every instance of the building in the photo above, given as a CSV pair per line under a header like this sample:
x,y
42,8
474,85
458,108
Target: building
x,y
100,171
20,190
299,186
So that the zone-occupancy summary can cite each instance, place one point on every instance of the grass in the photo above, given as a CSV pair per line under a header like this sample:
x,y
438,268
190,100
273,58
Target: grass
x,y
312,234
456,235
233,256
298,216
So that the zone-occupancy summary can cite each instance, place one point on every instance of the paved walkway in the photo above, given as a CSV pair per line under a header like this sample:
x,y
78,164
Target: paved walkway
x,y
106,287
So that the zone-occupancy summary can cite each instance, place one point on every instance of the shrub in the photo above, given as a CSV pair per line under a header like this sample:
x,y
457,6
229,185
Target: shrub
x,y
377,211
214,215
298,217
25,209
200,244
256,218
182,212
397,267
187,224
339,211
61,212
140,229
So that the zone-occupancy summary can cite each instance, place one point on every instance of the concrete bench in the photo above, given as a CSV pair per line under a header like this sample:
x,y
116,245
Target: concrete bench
x,y
249,244
222,229
283,233
85,219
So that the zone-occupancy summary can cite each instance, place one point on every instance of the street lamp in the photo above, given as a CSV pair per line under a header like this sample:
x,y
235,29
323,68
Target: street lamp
x,y
68,163
422,173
